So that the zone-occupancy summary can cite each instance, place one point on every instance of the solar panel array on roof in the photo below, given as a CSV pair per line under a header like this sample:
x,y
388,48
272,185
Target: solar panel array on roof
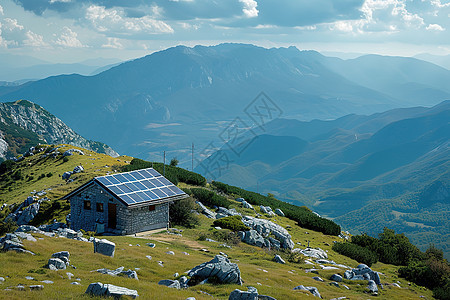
x,y
140,186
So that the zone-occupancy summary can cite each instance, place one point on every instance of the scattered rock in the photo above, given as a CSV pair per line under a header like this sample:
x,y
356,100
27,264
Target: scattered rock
x,y
336,277
334,283
240,199
278,259
279,212
57,264
245,204
62,255
316,253
372,287
72,151
362,272
104,247
36,287
317,278
219,267
151,245
170,283
251,294
206,211
100,289
311,289
170,252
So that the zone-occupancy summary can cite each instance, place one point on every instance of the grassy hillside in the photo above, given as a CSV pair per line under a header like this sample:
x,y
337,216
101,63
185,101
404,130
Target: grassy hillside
x,y
256,265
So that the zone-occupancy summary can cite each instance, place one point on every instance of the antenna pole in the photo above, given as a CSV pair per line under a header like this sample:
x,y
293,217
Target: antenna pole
x,y
164,164
192,158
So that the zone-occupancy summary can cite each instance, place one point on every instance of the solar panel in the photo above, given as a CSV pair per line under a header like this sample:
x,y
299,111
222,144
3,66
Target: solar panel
x,y
139,186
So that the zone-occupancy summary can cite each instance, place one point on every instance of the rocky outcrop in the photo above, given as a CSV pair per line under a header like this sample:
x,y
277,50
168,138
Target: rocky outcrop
x,y
206,211
362,272
223,212
252,237
109,290
265,227
220,268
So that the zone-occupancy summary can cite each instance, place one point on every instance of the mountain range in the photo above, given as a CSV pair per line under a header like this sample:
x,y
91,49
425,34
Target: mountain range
x,y
171,98
391,168
24,124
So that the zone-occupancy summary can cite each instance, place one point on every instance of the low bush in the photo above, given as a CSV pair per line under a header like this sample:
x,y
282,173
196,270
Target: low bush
x,y
7,227
302,215
233,223
358,253
210,198
180,213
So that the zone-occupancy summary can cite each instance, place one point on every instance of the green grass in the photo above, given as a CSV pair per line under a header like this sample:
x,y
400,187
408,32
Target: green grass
x,y
278,281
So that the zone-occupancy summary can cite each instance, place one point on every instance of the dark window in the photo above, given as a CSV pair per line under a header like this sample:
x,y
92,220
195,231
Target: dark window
x,y
87,204
99,207
151,208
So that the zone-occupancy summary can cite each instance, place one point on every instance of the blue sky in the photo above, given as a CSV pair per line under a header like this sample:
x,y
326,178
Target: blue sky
x,y
71,30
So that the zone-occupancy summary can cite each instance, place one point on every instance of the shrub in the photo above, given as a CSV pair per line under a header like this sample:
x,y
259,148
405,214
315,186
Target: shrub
x,y
302,215
233,223
7,226
6,166
180,213
65,159
174,174
49,174
210,198
391,248
358,253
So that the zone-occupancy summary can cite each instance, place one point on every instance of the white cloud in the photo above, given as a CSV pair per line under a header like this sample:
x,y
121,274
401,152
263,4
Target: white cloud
x,y
344,26
114,20
11,25
1,10
34,40
435,27
62,1
113,43
69,39
250,9
438,3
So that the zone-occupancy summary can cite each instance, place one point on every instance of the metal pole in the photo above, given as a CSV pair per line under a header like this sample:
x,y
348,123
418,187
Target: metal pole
x,y
192,158
164,164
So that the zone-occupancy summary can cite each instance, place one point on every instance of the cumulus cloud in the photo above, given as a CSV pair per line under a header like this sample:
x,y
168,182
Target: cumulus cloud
x,y
34,40
69,39
250,9
11,24
114,20
113,43
435,27
1,10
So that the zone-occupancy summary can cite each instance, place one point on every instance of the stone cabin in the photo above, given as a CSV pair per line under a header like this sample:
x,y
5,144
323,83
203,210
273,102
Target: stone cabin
x,y
123,203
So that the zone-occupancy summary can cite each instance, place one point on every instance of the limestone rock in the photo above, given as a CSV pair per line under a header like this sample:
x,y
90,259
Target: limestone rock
x,y
219,267
252,237
266,227
372,286
104,247
278,259
316,253
206,211
57,263
311,289
62,255
245,204
170,283
336,277
279,212
28,214
317,278
241,295
100,289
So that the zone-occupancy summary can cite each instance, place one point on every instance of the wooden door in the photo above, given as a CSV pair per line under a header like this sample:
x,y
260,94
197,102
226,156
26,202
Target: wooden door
x,y
112,216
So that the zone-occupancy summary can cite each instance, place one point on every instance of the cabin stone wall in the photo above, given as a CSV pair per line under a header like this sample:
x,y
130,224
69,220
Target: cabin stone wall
x,y
128,220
